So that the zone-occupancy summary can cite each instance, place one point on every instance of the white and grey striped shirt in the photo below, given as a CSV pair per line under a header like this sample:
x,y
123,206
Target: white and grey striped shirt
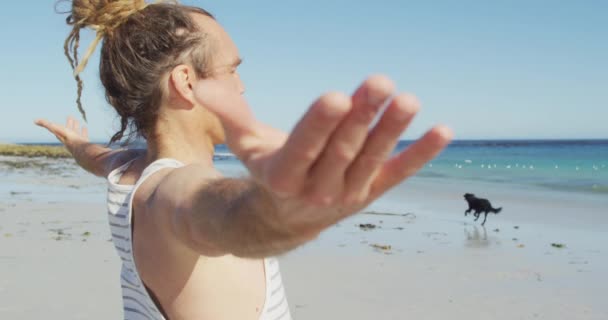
x,y
137,303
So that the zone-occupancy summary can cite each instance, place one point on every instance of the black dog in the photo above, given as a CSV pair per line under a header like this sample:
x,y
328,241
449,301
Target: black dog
x,y
479,205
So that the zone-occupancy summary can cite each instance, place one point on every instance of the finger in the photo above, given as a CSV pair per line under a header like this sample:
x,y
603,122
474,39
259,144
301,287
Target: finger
x,y
85,133
69,123
76,125
233,112
378,147
55,129
306,142
412,159
327,176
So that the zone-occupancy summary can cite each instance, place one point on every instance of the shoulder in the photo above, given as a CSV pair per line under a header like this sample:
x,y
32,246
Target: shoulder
x,y
122,157
171,192
176,185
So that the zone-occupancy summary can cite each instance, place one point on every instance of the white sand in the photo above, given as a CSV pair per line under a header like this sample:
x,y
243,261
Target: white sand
x,y
441,265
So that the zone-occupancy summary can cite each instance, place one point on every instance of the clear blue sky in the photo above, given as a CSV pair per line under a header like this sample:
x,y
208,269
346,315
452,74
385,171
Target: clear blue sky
x,y
514,69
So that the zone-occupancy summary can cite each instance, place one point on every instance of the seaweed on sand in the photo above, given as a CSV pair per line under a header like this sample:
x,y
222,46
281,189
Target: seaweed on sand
x,y
31,151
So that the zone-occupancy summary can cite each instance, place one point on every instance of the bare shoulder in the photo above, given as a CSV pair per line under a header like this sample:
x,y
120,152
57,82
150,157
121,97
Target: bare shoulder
x,y
121,157
173,187
134,171
166,195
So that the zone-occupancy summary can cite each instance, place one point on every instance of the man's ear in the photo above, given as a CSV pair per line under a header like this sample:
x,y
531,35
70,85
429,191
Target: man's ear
x,y
183,78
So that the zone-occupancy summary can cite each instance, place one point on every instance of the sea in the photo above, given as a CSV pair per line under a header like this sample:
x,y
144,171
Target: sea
x,y
564,165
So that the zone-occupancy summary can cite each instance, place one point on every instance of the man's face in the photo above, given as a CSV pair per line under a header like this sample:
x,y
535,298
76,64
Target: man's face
x,y
225,56
223,69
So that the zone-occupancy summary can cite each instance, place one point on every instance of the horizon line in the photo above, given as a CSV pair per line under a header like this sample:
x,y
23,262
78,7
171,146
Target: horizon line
x,y
32,142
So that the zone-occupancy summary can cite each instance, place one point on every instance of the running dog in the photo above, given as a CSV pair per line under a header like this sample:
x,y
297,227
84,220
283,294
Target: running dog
x,y
479,206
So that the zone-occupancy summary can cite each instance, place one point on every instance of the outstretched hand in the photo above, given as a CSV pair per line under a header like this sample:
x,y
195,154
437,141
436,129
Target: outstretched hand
x,y
69,135
332,164
92,157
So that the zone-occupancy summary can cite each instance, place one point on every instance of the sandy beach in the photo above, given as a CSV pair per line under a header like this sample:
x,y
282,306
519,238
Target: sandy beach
x,y
543,257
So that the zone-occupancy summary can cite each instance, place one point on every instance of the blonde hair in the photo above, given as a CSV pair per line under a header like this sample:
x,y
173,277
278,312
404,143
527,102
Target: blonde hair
x,y
141,42
103,16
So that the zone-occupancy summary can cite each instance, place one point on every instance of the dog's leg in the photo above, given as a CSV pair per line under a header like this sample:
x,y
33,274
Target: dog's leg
x,y
467,211
476,215
485,218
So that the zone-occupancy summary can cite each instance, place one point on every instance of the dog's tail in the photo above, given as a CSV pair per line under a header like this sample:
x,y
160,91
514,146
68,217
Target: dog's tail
x,y
497,210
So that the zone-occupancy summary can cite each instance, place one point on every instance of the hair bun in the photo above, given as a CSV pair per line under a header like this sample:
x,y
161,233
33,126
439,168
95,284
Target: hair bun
x,y
102,15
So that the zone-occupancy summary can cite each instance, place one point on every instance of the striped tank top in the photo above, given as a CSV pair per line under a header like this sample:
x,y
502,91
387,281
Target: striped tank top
x,y
137,302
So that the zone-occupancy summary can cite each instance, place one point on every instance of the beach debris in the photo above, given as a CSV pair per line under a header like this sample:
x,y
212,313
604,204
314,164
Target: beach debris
x,y
409,214
521,245
8,235
515,227
398,228
86,234
558,245
434,234
514,239
496,230
367,226
382,247
16,193
60,234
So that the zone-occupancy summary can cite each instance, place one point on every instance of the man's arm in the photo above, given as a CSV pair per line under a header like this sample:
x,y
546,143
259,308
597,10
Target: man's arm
x,y
216,216
331,166
100,160
94,158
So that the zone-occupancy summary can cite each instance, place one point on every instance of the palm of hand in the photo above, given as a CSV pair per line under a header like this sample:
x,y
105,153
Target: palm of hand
x,y
334,162
69,135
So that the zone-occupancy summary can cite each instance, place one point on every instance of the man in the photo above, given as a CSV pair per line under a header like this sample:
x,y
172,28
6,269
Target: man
x,y
196,245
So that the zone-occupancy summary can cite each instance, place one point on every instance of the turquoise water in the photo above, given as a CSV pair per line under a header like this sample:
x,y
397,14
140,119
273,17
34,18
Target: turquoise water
x,y
561,165
565,165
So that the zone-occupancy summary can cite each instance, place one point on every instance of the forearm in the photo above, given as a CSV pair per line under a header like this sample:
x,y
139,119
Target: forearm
x,y
240,217
259,224
92,157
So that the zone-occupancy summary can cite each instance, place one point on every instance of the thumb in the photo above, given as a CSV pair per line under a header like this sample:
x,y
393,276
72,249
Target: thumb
x,y
53,128
58,131
242,129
